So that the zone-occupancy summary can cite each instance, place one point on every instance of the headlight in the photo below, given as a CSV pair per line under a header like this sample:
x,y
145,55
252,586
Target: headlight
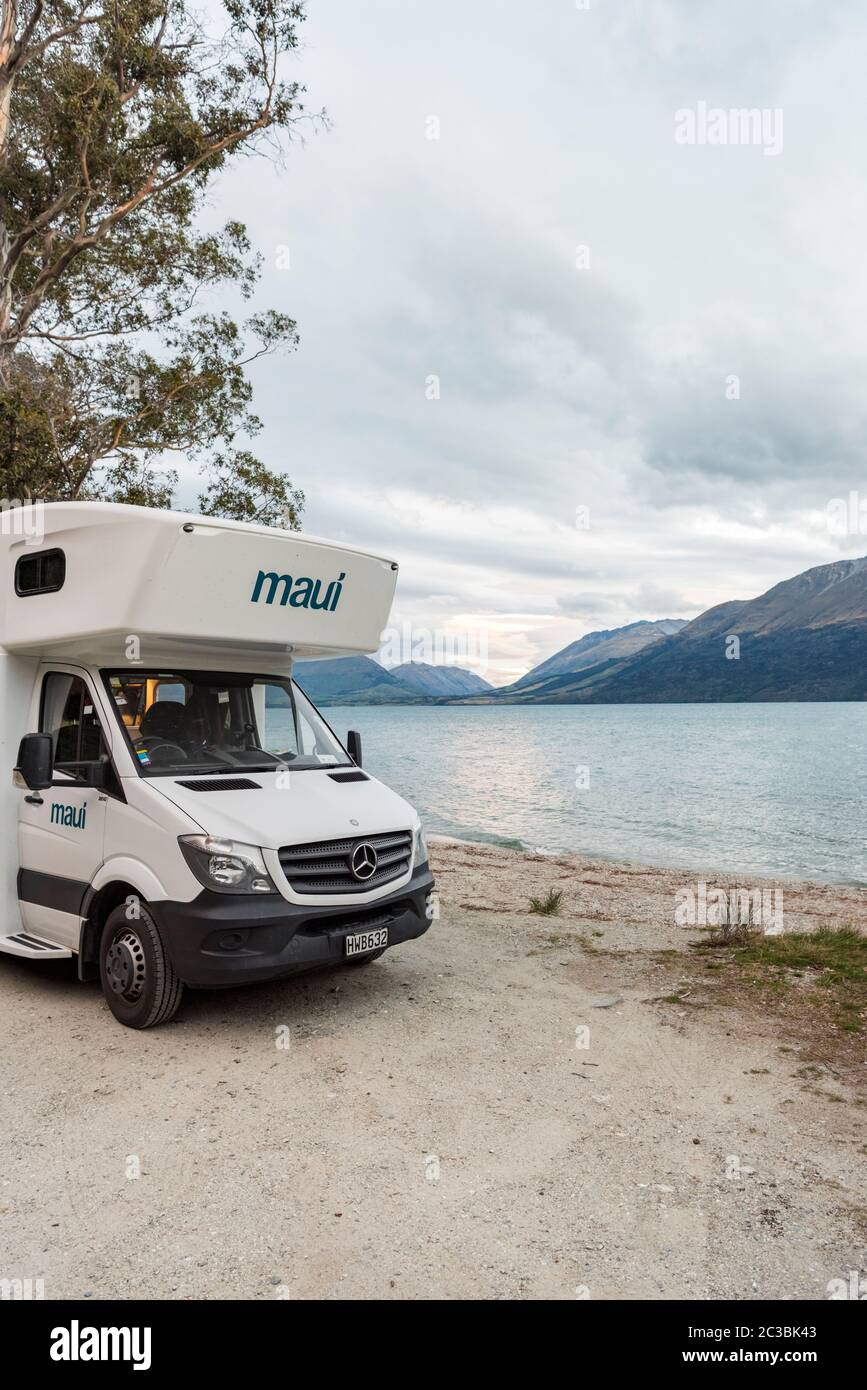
x,y
419,851
226,866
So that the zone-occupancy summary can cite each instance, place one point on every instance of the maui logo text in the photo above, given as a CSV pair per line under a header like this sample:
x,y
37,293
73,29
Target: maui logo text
x,y
73,816
307,593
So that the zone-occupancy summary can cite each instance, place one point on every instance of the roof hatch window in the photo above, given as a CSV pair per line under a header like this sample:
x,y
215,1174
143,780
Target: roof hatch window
x,y
42,573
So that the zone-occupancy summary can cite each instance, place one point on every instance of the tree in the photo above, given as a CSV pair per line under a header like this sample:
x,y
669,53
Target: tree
x,y
115,117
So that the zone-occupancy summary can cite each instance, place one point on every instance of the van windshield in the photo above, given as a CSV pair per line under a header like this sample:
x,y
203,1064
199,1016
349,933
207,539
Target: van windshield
x,y
195,721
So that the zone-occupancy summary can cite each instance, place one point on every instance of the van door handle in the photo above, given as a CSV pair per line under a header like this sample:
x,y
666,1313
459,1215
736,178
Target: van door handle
x,y
35,800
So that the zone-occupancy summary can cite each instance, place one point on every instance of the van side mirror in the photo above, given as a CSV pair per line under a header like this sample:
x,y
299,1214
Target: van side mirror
x,y
353,746
89,772
35,767
95,773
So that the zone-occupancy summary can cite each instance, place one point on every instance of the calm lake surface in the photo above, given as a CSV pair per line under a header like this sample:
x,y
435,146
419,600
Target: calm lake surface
x,y
777,789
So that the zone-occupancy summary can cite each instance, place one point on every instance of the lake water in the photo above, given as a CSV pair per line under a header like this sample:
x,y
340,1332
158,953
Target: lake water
x,y
750,789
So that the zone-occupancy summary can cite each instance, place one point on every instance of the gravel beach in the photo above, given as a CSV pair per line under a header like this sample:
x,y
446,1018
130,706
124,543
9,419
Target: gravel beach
x,y
512,1107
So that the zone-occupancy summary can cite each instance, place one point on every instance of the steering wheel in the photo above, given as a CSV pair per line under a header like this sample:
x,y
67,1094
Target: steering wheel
x,y
175,751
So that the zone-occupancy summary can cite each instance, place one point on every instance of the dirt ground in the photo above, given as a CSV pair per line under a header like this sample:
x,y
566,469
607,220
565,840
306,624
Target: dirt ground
x,y
507,1108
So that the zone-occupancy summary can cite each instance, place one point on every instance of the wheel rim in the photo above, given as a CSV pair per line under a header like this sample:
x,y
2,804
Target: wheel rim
x,y
125,966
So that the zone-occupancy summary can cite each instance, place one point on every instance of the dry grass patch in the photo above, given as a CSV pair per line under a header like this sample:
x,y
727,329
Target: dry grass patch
x,y
814,983
549,906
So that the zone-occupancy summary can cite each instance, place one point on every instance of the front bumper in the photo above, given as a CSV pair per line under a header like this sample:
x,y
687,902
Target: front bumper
x,y
218,939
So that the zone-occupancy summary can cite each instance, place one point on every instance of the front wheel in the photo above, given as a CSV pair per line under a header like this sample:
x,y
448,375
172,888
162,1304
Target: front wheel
x,y
138,981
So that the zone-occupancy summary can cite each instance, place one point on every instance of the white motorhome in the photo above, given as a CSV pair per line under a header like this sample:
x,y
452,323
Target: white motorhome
x,y
180,813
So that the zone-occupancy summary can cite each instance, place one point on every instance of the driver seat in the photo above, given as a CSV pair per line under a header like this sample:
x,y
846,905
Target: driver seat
x,y
166,719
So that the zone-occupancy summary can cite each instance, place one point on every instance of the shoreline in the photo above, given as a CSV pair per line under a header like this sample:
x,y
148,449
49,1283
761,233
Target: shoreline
x,y
623,903
743,877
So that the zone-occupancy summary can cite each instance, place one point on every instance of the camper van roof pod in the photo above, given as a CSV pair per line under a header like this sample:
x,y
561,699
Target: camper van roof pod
x,y
97,574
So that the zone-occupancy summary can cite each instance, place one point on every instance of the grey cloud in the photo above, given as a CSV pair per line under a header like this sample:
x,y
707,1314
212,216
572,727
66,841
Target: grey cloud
x,y
601,387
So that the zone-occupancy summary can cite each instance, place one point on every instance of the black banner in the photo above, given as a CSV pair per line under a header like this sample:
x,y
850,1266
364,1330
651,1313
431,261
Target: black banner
x,y
225,1339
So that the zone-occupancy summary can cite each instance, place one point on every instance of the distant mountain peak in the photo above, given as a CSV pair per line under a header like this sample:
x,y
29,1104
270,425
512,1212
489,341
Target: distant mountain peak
x,y
360,680
607,644
446,680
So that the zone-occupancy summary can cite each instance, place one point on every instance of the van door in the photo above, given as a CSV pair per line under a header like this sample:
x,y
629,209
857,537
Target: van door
x,y
61,831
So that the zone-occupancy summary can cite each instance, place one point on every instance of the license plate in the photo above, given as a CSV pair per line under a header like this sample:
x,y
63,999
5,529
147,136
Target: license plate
x,y
361,941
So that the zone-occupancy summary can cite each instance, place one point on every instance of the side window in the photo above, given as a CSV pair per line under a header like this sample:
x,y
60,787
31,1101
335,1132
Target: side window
x,y
43,573
274,718
307,734
69,716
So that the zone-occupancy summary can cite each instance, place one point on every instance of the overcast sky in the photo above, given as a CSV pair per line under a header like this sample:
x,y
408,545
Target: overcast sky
x,y
597,378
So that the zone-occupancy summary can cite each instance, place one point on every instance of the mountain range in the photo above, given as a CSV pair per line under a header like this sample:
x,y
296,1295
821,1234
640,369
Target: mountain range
x,y
359,680
612,644
805,639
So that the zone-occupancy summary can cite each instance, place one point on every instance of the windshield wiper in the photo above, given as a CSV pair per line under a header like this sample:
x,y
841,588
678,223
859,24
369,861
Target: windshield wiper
x,y
232,769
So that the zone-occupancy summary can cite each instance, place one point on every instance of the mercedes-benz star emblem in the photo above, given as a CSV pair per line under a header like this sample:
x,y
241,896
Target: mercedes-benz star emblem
x,y
363,861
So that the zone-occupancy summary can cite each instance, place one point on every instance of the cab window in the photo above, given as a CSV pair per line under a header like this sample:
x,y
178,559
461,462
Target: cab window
x,y
185,721
69,716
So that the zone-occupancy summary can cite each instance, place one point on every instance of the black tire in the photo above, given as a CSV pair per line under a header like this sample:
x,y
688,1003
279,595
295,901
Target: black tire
x,y
138,981
366,960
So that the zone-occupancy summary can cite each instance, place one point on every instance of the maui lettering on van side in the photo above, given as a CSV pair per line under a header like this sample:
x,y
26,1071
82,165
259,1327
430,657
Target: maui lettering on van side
x,y
307,593
73,816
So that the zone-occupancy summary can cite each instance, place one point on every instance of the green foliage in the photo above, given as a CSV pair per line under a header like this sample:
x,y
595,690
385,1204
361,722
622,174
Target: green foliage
x,y
834,958
120,114
840,953
242,488
550,905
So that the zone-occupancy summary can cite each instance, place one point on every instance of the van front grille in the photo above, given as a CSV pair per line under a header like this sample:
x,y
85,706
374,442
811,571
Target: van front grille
x,y
326,867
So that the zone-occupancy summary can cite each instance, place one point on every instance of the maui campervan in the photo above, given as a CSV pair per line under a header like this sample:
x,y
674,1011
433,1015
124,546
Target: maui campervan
x,y
181,814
